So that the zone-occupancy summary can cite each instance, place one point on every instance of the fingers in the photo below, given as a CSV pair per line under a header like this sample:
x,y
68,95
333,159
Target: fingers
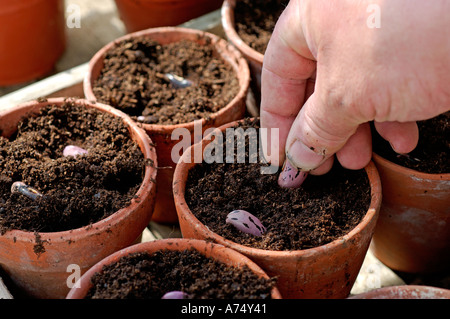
x,y
287,67
403,137
357,152
319,131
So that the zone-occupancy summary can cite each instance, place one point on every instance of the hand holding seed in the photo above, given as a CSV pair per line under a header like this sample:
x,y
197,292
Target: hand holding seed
x,y
291,177
246,222
315,86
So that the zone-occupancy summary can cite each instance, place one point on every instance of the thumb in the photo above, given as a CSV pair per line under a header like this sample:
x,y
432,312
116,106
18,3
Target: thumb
x,y
319,131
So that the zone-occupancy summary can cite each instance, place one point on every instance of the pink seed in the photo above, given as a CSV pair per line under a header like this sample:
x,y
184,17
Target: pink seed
x,y
290,176
72,150
245,222
175,295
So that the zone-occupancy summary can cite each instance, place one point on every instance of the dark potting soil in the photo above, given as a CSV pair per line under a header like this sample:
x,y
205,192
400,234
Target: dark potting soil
x,y
77,191
323,209
432,152
144,276
133,81
256,19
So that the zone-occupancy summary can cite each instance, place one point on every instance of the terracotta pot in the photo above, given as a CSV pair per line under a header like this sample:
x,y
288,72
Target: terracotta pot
x,y
254,58
161,134
405,292
32,38
45,276
327,271
143,14
413,230
215,251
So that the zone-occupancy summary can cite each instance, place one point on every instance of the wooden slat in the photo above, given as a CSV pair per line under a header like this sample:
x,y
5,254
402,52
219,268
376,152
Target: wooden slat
x,y
47,87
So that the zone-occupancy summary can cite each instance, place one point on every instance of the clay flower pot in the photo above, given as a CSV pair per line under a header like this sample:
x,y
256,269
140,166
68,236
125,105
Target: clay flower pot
x,y
405,292
32,38
326,271
413,231
143,14
254,57
208,249
161,134
45,275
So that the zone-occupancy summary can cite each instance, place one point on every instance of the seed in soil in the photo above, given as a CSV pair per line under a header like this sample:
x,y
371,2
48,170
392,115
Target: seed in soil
x,y
175,295
24,189
73,150
149,81
177,81
246,222
408,157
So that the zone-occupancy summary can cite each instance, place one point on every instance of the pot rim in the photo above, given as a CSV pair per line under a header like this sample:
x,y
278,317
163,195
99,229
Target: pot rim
x,y
179,184
378,159
136,133
227,19
176,244
236,60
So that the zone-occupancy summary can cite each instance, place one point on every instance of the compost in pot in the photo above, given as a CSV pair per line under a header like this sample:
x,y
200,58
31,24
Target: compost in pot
x,y
142,78
98,174
142,275
323,209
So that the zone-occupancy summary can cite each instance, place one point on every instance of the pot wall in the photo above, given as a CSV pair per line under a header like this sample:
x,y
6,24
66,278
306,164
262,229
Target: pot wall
x,y
413,230
161,135
143,14
253,57
32,38
328,271
45,275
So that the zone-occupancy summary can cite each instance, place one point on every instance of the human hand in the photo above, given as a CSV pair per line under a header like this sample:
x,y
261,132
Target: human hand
x,y
327,74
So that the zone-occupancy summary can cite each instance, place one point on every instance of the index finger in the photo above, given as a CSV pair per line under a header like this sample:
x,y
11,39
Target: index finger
x,y
287,67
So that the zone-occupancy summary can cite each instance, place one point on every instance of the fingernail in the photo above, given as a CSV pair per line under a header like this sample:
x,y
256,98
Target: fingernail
x,y
290,176
304,157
